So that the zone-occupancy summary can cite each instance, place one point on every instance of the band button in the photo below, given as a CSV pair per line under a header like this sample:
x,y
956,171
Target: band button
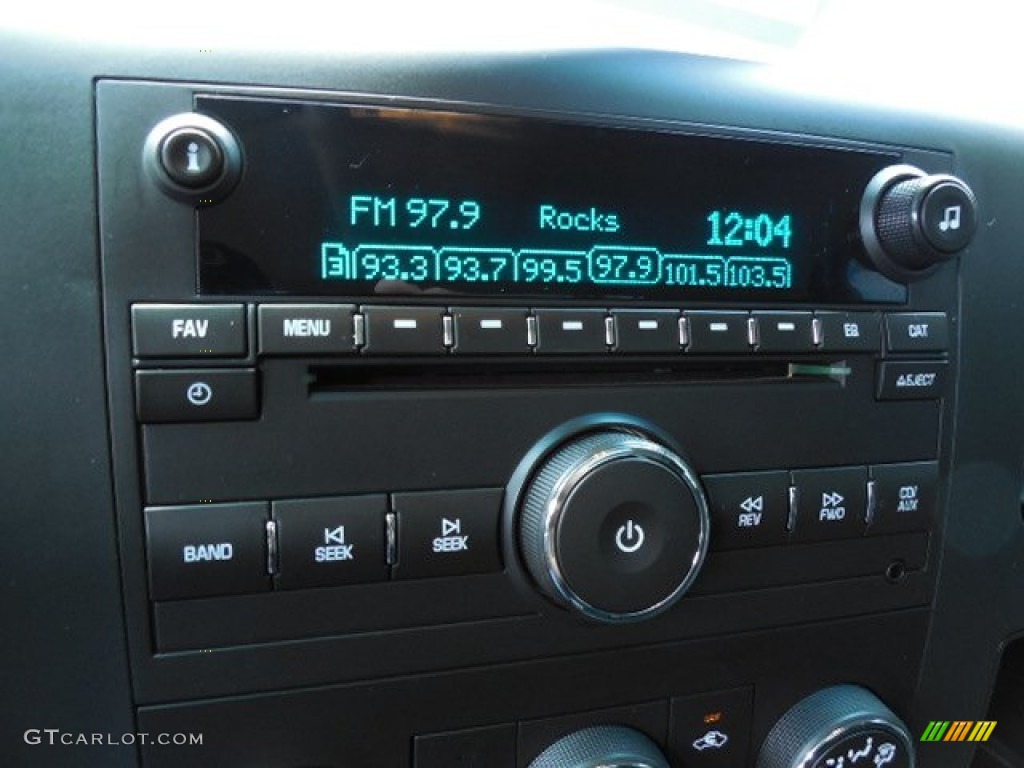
x,y
208,549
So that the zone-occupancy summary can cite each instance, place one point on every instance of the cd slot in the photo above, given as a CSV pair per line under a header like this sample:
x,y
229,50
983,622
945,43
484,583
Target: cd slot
x,y
326,379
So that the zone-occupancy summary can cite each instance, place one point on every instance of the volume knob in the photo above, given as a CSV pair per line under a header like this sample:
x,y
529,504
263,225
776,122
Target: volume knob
x,y
910,222
613,525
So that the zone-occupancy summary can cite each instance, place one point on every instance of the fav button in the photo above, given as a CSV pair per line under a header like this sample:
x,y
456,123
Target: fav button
x,y
831,503
188,330
447,533
208,549
196,395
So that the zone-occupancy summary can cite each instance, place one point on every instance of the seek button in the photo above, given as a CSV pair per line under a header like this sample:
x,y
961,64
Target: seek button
x,y
447,533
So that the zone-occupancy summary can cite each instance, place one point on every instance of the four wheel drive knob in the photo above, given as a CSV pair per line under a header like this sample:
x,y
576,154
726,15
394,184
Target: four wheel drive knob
x,y
613,525
910,222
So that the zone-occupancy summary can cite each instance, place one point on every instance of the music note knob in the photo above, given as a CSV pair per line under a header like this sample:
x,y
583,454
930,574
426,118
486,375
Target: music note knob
x,y
911,221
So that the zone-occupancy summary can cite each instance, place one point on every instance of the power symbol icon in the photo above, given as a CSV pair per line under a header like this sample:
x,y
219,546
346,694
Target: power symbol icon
x,y
629,538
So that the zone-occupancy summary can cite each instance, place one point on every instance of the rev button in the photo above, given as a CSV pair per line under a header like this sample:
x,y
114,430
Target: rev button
x,y
748,509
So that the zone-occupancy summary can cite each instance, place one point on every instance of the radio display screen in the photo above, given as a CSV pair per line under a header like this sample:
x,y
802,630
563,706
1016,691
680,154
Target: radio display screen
x,y
365,201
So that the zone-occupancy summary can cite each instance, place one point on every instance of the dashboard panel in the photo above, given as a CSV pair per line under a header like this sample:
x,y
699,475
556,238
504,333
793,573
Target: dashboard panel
x,y
504,410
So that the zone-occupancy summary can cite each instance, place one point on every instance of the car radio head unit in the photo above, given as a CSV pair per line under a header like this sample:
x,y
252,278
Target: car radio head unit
x,y
379,201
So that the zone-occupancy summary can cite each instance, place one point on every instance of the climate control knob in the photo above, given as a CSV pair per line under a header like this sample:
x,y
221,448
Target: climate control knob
x,y
601,747
614,525
910,221
841,727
